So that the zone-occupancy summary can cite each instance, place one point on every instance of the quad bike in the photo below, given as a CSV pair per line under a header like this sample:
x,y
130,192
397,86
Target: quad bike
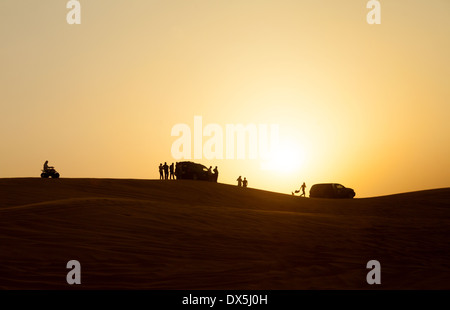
x,y
50,172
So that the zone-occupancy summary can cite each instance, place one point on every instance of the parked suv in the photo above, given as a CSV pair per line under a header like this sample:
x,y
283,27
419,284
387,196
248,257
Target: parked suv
x,y
187,170
331,190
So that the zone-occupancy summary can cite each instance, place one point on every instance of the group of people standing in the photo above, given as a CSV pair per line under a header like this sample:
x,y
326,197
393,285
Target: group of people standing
x,y
241,182
166,172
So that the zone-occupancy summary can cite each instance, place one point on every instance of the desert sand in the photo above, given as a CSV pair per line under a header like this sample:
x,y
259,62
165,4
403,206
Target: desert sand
x,y
192,235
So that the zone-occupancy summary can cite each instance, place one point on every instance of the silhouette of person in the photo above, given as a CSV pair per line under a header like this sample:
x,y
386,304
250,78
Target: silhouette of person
x,y
239,181
46,166
166,171
302,188
245,182
216,174
172,176
161,177
210,174
177,170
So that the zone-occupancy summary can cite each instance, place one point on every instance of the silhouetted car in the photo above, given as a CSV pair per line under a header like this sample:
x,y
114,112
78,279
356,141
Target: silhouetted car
x,y
187,170
331,190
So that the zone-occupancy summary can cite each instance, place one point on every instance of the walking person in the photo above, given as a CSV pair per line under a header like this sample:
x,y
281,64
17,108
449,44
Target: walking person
x,y
245,182
302,188
239,181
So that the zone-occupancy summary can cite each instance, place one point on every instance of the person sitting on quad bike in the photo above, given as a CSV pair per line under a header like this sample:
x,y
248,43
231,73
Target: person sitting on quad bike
x,y
49,171
46,166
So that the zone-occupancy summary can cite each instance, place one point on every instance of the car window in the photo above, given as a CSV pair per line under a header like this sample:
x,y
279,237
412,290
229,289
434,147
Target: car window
x,y
339,186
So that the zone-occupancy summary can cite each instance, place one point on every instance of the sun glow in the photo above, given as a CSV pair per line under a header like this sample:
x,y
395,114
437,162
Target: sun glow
x,y
287,158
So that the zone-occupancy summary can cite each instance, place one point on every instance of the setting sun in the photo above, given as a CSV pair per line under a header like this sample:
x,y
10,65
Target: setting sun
x,y
288,158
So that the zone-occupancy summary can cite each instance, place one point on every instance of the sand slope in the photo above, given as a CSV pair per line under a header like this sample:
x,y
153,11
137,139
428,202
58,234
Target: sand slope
x,y
151,234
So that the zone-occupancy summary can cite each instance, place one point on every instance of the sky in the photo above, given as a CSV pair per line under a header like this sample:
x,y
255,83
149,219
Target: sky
x,y
364,105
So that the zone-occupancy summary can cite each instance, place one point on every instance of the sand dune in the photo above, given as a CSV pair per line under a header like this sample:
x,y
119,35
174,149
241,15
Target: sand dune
x,y
151,234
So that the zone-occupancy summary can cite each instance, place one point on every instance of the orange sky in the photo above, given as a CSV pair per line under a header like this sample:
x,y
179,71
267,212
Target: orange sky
x,y
362,105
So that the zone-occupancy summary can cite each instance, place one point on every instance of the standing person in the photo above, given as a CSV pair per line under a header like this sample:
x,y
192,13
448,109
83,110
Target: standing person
x,y
161,177
239,181
177,170
166,171
216,174
245,182
210,174
172,175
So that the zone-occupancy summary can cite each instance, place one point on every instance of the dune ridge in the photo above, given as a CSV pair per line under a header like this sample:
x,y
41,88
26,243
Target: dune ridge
x,y
151,234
